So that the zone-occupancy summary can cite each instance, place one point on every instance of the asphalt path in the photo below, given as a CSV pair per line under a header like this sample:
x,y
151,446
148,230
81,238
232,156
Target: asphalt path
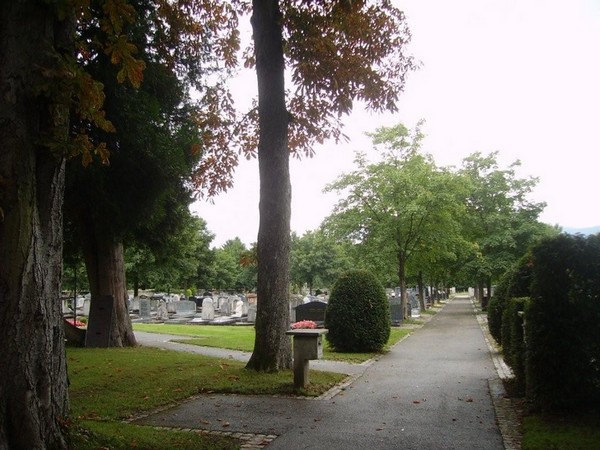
x,y
430,391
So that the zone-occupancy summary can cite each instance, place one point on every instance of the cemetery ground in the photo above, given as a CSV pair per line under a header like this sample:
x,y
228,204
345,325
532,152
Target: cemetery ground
x,y
108,387
111,386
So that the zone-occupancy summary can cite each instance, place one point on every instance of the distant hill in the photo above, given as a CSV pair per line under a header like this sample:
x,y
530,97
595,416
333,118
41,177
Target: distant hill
x,y
583,231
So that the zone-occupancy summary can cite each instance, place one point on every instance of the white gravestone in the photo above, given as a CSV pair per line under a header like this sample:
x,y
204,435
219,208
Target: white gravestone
x,y
208,310
161,311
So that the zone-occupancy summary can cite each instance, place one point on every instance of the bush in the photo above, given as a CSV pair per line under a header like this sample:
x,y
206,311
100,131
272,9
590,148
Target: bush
x,y
514,283
513,343
495,310
357,316
563,324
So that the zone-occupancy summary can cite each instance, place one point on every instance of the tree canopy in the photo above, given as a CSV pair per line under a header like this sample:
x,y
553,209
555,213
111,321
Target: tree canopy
x,y
398,211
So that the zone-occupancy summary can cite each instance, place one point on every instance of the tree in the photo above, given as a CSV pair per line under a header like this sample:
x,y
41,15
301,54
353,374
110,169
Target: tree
x,y
160,133
337,52
399,207
33,391
175,263
229,270
315,259
501,220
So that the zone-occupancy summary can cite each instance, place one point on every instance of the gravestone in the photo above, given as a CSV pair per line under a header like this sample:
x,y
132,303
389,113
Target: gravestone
x,y
161,311
185,308
295,300
396,311
86,307
208,310
196,300
245,306
145,309
134,305
226,307
100,323
237,308
67,306
314,311
414,307
251,314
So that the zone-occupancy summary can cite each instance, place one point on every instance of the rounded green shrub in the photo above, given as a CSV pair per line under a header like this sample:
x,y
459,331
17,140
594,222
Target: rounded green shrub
x,y
358,314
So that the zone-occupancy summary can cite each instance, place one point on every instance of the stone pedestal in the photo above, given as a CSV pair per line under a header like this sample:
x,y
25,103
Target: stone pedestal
x,y
307,344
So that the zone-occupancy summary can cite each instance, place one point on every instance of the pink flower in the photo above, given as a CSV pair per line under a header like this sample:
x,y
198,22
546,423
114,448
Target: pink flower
x,y
303,324
76,323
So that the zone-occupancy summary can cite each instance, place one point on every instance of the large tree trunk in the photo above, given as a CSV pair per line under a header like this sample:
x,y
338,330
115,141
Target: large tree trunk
x,y
105,264
272,349
33,387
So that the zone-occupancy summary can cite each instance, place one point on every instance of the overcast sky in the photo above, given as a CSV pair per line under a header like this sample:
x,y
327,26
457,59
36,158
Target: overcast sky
x,y
518,76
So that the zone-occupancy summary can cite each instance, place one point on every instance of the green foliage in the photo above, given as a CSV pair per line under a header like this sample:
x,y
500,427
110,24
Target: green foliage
x,y
501,220
403,213
358,316
513,344
176,262
495,311
514,283
228,272
563,324
316,260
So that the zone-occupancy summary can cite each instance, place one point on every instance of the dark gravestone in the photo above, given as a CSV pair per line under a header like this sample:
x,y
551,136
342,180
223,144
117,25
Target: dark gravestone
x,y
314,311
145,309
100,321
396,311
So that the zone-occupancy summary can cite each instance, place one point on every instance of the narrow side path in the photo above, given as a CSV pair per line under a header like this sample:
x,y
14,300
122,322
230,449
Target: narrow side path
x,y
166,341
430,392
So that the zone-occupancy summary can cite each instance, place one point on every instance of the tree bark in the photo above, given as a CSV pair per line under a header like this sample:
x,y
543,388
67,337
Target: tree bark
x,y
272,349
105,264
33,388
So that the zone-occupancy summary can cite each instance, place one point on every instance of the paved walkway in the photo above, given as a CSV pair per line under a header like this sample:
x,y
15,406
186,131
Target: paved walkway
x,y
431,391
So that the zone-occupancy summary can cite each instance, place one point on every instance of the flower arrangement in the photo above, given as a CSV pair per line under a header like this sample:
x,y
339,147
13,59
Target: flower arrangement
x,y
306,324
76,323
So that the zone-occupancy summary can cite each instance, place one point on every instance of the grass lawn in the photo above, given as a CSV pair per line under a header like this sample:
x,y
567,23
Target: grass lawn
x,y
242,338
561,433
109,385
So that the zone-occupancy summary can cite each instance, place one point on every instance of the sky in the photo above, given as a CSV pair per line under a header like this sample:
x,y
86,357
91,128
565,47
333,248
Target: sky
x,y
521,77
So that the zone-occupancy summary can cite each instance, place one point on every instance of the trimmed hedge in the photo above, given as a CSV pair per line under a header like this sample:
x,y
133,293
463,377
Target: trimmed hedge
x,y
513,344
514,283
358,315
495,312
563,324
